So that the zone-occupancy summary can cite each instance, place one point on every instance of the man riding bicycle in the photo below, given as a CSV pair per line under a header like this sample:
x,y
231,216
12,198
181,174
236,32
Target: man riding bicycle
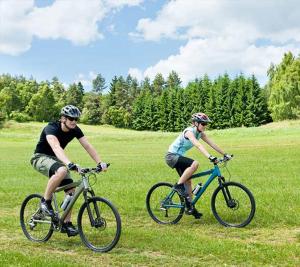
x,y
50,159
184,166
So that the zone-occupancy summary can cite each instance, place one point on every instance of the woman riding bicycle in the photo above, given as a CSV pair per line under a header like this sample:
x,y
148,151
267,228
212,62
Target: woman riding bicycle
x,y
186,167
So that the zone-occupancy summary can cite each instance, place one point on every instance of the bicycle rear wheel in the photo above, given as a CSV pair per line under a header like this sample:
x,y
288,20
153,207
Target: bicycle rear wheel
x,y
99,224
233,205
35,225
164,205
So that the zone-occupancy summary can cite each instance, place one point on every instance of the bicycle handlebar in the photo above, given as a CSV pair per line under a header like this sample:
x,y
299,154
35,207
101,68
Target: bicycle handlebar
x,y
224,159
88,170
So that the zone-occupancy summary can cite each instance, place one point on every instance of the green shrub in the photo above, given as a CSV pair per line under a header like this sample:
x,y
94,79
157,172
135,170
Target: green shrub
x,y
2,119
20,117
118,117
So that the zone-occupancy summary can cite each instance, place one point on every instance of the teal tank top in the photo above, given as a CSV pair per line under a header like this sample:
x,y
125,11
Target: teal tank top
x,y
182,144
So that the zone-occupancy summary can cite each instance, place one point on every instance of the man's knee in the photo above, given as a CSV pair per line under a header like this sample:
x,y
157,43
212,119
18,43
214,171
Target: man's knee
x,y
61,172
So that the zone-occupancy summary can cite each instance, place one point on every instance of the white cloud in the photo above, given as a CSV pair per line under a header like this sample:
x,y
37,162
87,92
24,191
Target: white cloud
x,y
121,3
136,73
86,79
14,37
76,21
222,35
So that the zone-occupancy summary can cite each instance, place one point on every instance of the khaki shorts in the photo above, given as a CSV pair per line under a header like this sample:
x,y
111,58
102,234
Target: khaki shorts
x,y
48,165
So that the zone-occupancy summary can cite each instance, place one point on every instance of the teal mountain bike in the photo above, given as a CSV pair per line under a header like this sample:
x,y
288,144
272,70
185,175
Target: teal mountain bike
x,y
232,203
99,223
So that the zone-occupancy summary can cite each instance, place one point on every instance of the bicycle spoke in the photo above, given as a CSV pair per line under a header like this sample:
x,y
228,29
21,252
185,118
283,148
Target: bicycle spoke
x,y
233,205
163,206
35,225
99,225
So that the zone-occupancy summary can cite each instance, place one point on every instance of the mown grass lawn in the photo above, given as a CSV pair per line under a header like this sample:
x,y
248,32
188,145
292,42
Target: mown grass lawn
x,y
267,161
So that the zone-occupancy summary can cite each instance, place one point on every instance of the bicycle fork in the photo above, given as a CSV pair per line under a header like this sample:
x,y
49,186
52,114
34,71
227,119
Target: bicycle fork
x,y
227,196
95,222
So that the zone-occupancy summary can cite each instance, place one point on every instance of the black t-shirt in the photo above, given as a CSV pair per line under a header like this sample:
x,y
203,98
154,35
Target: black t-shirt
x,y
54,128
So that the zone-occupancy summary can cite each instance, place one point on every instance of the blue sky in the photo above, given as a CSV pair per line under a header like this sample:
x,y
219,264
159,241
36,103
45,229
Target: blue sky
x,y
77,39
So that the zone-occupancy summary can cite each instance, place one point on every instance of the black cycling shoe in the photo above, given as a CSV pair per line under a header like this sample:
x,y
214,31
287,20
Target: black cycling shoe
x,y
194,212
47,209
180,189
69,229
191,210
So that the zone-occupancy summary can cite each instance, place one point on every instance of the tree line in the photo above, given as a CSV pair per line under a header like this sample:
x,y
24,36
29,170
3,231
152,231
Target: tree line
x,y
163,104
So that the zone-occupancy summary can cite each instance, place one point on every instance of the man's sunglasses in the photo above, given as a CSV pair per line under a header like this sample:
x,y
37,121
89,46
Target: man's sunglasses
x,y
203,123
71,118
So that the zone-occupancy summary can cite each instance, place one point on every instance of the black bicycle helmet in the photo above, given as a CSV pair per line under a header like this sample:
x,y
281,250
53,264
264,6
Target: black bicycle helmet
x,y
70,111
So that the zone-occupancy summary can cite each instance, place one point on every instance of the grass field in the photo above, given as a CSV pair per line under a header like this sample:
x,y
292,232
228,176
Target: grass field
x,y
267,161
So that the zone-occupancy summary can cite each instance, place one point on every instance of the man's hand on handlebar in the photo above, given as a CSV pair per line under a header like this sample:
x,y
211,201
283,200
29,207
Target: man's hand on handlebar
x,y
73,167
102,166
227,157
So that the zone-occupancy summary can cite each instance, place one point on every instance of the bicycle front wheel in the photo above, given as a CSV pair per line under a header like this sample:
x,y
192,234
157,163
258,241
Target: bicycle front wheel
x,y
99,224
233,205
35,225
164,205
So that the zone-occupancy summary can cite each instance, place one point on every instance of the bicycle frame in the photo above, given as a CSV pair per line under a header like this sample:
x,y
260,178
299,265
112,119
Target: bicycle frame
x,y
215,172
81,186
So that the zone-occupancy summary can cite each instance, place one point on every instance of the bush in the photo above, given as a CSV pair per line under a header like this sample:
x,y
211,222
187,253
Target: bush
x,y
20,117
118,117
2,119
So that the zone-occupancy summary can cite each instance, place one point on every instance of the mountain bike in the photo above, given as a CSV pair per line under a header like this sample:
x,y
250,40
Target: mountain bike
x,y
99,223
232,203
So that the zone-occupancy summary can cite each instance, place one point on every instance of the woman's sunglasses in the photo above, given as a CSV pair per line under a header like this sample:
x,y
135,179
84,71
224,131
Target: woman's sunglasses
x,y
71,118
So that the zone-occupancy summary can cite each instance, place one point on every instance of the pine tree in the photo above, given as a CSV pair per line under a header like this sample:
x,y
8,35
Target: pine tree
x,y
173,80
256,111
158,84
92,111
163,110
222,108
98,84
240,103
138,120
172,113
122,93
112,101
146,85
74,95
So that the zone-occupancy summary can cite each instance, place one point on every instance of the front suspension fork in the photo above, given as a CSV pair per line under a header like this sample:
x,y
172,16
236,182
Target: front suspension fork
x,y
225,191
89,210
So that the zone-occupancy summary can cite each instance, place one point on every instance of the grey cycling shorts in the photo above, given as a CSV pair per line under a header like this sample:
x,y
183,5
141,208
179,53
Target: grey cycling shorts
x,y
171,159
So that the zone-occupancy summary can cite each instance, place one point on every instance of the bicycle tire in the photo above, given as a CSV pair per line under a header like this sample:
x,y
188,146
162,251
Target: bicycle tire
x,y
105,215
35,225
155,202
240,208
